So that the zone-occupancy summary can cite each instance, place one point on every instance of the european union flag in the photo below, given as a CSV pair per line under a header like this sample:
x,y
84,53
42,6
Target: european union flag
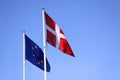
x,y
35,55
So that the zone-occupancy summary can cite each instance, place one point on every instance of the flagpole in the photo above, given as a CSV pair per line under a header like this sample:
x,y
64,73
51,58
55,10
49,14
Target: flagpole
x,y
24,62
44,44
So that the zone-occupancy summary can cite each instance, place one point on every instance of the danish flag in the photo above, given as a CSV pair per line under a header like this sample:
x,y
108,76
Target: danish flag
x,y
55,36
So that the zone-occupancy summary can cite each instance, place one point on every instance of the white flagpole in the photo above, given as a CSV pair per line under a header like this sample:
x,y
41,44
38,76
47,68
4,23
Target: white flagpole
x,y
24,62
44,44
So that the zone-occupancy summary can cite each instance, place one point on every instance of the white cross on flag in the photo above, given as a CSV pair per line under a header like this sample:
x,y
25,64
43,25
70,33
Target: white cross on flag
x,y
55,36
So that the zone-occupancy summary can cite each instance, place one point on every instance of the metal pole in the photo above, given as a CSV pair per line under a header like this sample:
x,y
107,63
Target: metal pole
x,y
44,44
24,62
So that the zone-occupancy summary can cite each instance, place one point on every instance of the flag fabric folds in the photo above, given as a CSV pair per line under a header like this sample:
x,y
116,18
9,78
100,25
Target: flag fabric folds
x,y
55,36
35,55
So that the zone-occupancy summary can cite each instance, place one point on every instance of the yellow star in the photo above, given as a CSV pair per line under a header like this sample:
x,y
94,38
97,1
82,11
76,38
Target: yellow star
x,y
41,61
38,62
33,55
32,48
34,59
35,46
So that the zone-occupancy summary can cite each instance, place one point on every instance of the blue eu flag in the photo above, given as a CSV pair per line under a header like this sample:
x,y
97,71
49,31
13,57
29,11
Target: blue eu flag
x,y
35,55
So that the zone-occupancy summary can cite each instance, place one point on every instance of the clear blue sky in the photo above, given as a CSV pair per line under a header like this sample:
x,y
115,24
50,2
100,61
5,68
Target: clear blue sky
x,y
92,28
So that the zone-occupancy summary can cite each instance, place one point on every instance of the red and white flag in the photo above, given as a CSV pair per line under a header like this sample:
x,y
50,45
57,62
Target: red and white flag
x,y
55,36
